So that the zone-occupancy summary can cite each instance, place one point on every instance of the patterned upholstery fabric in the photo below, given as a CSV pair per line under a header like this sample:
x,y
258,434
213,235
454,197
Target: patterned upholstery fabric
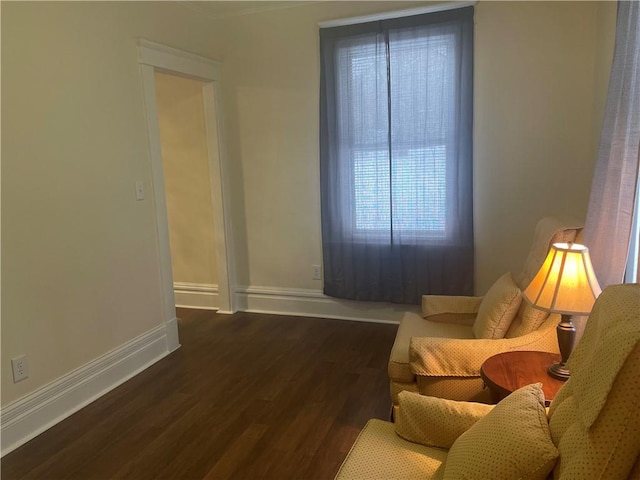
x,y
498,309
454,372
594,420
511,441
528,319
379,453
413,325
457,388
435,422
448,357
420,359
635,472
434,305
548,231
397,387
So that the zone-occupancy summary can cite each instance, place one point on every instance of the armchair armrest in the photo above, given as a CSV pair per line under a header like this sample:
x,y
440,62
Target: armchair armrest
x,y
450,309
446,357
435,422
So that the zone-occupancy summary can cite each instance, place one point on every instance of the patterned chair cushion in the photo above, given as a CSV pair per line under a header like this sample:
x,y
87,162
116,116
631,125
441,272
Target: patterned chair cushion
x,y
498,309
511,441
379,453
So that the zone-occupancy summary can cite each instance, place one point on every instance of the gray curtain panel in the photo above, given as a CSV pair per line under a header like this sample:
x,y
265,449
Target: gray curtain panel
x,y
396,100
612,201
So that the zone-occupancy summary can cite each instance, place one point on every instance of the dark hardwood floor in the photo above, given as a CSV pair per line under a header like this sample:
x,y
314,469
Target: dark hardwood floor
x,y
247,396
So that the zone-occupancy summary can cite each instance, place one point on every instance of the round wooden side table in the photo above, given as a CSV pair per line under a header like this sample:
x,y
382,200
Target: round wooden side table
x,y
506,372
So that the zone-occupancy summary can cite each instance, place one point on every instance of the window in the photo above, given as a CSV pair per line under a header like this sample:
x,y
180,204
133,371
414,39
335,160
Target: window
x,y
632,272
396,109
417,191
398,172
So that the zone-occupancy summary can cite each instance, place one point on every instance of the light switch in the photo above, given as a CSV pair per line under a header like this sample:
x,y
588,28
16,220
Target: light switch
x,y
139,190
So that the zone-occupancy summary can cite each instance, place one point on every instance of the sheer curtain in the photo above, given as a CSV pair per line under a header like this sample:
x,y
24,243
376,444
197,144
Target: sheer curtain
x,y
611,204
395,157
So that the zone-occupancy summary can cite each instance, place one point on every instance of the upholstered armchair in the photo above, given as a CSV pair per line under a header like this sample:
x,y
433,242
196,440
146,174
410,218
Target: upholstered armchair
x,y
440,352
590,431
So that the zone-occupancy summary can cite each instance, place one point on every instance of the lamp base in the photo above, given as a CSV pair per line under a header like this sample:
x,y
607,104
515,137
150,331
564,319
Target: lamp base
x,y
566,336
559,371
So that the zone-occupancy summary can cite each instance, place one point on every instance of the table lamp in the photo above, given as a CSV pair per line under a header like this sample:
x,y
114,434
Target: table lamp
x,y
565,284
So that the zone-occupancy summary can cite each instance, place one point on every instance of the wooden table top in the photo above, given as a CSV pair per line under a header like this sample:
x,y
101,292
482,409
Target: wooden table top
x,y
506,372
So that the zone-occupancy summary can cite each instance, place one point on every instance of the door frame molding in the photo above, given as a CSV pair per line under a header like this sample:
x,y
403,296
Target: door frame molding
x,y
154,57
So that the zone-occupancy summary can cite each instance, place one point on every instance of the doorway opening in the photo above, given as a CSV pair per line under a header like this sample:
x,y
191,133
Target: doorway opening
x,y
162,67
188,194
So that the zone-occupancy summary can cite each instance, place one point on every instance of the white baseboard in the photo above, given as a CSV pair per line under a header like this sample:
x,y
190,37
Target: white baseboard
x,y
313,303
29,416
196,295
173,341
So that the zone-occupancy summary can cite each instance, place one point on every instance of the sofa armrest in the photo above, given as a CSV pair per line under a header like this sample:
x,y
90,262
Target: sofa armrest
x,y
435,422
446,357
450,309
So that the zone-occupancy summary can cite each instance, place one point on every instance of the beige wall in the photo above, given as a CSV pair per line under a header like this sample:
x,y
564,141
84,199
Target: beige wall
x,y
536,80
80,271
534,123
271,88
606,33
186,179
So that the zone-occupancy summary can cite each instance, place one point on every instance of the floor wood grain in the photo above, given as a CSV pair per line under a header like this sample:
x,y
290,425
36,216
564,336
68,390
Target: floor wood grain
x,y
247,396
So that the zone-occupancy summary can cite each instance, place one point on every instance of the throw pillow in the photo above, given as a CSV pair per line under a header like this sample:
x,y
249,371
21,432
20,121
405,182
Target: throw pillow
x,y
511,441
498,308
436,422
527,320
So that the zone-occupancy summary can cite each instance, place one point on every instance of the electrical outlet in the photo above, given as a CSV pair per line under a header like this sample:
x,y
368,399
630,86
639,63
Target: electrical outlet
x,y
20,368
317,272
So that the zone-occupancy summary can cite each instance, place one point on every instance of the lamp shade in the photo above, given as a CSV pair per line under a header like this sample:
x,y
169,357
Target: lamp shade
x,y
566,282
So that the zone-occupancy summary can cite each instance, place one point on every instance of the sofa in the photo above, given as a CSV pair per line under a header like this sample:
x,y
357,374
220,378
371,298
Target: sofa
x,y
440,352
590,431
